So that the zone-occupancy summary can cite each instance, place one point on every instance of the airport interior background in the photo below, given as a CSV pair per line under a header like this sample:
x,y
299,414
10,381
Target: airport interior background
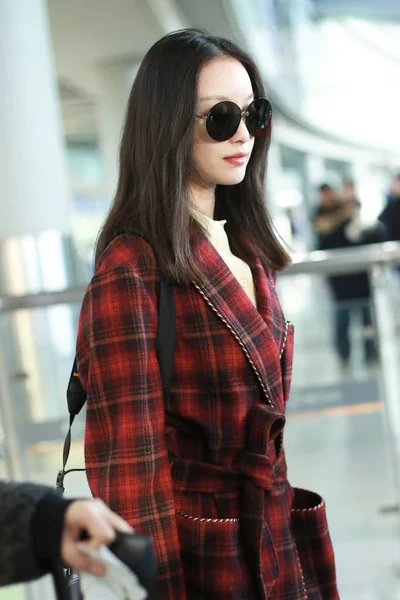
x,y
332,71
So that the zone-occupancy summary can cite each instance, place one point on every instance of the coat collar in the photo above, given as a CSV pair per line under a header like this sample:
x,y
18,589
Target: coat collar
x,y
260,332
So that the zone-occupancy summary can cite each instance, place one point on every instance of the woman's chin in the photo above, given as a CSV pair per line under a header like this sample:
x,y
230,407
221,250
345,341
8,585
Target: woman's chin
x,y
233,178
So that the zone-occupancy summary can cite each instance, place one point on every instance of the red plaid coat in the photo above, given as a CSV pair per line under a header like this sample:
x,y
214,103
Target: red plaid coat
x,y
204,471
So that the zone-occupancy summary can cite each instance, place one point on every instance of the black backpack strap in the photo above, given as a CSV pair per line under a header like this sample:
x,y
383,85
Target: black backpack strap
x,y
165,350
76,398
165,340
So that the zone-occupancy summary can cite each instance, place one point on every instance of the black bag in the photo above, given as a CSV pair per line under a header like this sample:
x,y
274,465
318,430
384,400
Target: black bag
x,y
135,550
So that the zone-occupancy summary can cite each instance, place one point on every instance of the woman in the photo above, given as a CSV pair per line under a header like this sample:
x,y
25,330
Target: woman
x,y
38,526
202,470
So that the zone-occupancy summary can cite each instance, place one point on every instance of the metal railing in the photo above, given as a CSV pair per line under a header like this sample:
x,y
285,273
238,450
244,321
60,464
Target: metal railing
x,y
346,261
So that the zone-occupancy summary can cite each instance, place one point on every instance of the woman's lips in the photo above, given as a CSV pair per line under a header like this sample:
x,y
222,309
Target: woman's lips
x,y
237,159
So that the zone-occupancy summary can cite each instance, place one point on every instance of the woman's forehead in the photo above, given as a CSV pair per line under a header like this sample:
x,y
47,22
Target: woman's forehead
x,y
224,79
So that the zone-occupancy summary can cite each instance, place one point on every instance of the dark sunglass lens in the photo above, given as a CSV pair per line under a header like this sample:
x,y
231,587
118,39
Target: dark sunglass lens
x,y
259,118
223,121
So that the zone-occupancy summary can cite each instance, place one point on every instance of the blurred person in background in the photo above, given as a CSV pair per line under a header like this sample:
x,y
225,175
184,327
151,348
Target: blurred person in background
x,y
202,470
337,223
390,216
349,194
356,230
328,216
38,527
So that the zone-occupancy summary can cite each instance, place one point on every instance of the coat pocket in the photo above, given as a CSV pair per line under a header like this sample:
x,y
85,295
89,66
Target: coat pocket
x,y
212,559
314,546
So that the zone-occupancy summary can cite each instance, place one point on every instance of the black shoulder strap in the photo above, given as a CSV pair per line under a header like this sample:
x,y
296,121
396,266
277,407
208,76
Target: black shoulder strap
x,y
165,350
166,332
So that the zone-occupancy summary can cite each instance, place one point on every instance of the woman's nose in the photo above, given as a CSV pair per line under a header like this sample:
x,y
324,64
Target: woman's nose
x,y
242,134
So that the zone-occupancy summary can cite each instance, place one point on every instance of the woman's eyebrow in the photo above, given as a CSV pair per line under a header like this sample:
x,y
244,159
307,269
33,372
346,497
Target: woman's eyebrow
x,y
220,98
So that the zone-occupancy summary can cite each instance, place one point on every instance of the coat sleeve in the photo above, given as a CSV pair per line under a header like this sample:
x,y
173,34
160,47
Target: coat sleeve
x,y
126,458
20,553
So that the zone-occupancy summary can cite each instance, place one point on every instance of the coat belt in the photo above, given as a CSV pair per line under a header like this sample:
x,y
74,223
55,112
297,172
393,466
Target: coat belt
x,y
253,474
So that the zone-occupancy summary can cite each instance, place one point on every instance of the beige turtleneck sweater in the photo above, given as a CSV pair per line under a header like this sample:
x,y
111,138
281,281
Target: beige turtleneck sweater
x,y
218,237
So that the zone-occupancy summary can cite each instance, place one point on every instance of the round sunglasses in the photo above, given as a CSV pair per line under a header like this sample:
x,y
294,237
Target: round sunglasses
x,y
223,120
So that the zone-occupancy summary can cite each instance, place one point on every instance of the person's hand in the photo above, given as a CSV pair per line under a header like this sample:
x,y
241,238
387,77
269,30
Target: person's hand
x,y
349,210
98,523
323,224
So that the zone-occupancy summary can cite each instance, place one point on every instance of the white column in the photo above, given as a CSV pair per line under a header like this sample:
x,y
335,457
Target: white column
x,y
115,80
35,251
34,194
34,207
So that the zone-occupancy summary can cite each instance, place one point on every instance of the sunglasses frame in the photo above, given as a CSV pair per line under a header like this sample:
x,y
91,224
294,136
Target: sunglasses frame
x,y
243,115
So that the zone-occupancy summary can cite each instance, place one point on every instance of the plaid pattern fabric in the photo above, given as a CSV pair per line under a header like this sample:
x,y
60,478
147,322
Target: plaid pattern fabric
x,y
204,471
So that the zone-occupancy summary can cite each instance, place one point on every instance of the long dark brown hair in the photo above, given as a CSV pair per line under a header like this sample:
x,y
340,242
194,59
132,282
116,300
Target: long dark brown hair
x,y
156,158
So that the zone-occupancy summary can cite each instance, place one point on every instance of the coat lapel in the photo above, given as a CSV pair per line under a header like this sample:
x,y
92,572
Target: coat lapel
x,y
268,304
257,331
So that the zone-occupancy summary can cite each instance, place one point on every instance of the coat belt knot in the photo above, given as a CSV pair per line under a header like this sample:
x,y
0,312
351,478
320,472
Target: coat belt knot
x,y
253,474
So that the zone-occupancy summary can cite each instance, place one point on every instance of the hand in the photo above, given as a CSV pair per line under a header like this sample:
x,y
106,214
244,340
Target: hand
x,y
99,523
324,225
347,212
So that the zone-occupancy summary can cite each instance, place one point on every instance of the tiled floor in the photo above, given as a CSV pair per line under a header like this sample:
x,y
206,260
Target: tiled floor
x,y
343,458
376,577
